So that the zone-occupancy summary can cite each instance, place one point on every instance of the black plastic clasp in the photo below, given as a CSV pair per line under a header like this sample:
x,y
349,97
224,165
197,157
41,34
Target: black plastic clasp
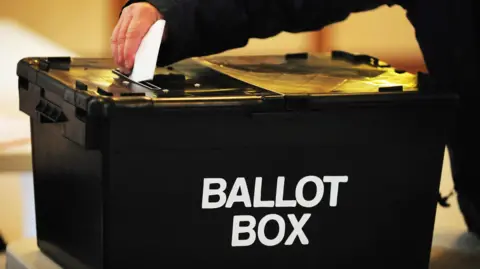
x,y
398,88
296,56
58,63
357,58
104,92
60,60
44,65
81,86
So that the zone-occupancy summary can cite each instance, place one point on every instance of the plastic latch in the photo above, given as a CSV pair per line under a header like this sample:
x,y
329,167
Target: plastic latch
x,y
391,89
103,92
296,56
81,86
59,63
44,65
357,58
64,60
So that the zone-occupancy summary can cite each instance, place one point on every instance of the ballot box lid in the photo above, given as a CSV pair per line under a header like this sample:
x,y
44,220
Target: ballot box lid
x,y
271,82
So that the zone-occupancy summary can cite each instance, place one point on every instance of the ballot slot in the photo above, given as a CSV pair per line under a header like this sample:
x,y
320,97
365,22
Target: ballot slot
x,y
188,81
206,82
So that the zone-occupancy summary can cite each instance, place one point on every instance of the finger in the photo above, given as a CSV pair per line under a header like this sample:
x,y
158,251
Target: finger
x,y
135,33
114,40
121,40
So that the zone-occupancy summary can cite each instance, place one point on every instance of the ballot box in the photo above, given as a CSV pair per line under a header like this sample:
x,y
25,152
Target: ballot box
x,y
284,161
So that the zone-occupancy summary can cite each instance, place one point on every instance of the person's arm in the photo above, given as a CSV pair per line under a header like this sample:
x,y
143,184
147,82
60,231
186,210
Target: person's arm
x,y
205,27
446,33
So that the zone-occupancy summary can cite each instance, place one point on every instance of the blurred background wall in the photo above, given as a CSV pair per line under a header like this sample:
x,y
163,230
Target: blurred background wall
x,y
85,26
384,32
81,26
51,27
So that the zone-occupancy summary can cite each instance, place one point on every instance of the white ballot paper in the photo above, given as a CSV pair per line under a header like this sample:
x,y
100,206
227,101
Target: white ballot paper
x,y
147,54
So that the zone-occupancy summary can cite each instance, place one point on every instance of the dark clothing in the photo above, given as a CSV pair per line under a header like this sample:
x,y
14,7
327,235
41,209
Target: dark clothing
x,y
445,31
203,27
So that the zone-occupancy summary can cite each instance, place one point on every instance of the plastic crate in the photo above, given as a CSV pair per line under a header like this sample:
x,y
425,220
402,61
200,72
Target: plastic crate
x,y
298,161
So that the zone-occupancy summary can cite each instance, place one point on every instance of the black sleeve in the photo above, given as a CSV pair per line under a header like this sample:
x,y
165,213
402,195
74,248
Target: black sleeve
x,y
205,27
446,33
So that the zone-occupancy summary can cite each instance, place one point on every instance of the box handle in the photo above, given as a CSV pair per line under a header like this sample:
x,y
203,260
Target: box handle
x,y
49,112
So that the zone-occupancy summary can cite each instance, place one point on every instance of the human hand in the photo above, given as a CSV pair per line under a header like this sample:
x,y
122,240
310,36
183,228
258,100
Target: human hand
x,y
134,23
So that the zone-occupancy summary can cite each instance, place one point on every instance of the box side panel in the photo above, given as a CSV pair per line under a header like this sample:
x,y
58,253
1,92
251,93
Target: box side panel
x,y
384,214
68,198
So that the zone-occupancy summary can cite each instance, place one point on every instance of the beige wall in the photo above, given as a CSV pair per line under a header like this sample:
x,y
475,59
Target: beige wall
x,y
85,26
11,206
384,32
280,44
80,26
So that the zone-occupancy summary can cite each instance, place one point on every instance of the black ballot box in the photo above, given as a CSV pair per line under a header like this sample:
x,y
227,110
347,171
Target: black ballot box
x,y
286,161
